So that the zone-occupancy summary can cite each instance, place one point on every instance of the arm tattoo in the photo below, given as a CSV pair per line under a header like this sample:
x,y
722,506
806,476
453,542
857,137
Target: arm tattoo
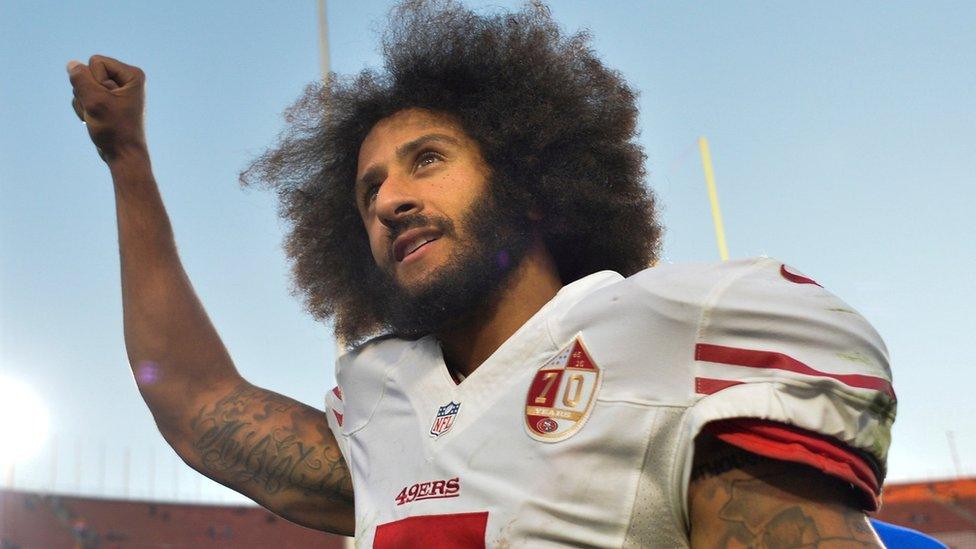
x,y
769,504
260,440
756,521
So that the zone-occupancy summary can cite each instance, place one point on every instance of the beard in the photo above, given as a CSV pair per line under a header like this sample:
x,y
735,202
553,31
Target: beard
x,y
477,271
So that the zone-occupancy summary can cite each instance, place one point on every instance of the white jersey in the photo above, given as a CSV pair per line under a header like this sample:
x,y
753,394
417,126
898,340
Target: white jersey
x,y
579,430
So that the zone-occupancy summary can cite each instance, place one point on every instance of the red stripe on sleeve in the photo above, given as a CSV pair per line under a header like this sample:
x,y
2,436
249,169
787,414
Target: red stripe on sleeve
x,y
752,358
789,443
708,386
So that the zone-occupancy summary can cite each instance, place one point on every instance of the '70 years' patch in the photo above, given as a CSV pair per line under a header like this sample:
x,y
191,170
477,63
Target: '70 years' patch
x,y
562,394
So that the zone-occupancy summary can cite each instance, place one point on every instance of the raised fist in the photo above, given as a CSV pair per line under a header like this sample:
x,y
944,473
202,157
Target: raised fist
x,y
109,99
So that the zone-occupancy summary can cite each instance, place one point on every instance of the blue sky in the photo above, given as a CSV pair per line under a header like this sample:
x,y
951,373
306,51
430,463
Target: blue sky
x,y
842,136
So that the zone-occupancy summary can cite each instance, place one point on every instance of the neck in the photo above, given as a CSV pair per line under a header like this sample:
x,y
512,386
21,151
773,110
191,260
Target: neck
x,y
533,283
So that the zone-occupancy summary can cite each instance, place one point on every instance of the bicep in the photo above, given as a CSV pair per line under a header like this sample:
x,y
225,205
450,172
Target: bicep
x,y
739,499
275,450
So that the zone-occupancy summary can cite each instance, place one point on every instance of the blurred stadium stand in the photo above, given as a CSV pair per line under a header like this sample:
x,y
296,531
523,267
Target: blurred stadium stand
x,y
944,509
38,521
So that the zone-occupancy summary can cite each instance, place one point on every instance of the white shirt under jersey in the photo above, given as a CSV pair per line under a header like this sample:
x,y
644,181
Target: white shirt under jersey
x,y
667,351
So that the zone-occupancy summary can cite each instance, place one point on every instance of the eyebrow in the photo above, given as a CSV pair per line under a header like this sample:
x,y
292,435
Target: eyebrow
x,y
408,148
379,172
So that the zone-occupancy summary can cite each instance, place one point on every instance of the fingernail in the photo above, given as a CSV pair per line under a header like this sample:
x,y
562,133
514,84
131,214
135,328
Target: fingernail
x,y
72,64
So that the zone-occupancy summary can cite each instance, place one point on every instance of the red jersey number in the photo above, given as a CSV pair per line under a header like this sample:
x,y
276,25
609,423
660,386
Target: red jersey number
x,y
433,532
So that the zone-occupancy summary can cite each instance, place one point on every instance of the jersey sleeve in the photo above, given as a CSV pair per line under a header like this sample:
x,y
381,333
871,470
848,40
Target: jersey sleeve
x,y
774,347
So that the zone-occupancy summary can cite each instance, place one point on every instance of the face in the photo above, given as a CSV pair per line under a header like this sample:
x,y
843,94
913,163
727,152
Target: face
x,y
442,244
418,175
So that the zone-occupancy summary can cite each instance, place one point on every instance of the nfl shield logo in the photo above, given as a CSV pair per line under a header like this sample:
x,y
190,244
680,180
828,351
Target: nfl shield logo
x,y
445,418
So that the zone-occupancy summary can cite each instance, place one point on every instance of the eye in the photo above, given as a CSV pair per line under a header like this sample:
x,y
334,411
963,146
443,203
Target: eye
x,y
370,194
427,158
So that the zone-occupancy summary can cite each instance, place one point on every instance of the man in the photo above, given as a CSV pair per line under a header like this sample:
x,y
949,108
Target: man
x,y
468,218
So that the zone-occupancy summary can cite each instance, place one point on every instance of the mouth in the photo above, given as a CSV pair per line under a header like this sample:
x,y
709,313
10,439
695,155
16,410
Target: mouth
x,y
412,241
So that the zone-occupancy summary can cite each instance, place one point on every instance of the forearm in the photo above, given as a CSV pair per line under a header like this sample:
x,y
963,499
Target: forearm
x,y
276,451
173,348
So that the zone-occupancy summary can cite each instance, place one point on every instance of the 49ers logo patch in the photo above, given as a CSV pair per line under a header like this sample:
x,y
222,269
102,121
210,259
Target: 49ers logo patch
x,y
562,394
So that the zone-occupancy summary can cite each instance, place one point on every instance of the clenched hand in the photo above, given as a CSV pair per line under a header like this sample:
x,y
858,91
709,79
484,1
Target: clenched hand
x,y
109,97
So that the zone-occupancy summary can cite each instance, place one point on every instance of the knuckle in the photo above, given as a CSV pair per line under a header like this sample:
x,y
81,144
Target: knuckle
x,y
96,108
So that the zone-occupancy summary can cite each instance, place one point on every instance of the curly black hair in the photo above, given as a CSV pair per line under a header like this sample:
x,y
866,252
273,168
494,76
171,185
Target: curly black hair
x,y
554,124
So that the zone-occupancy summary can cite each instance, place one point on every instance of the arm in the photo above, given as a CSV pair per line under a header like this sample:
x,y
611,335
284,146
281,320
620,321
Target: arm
x,y
273,449
739,499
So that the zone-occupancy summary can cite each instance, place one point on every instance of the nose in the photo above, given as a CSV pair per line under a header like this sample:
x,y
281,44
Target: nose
x,y
394,200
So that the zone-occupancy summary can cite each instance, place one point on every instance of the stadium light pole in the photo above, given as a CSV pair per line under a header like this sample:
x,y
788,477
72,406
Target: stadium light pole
x,y
706,157
126,462
324,41
954,453
323,17
77,479
53,479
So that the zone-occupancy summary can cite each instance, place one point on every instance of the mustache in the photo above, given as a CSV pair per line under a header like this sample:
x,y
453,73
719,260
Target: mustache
x,y
400,225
